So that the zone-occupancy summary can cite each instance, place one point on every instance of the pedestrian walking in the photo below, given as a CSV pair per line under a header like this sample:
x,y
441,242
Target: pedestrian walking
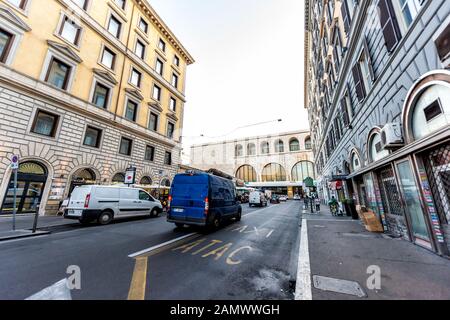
x,y
317,204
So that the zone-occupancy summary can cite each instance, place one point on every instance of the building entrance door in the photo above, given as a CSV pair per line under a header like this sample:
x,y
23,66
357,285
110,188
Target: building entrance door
x,y
31,179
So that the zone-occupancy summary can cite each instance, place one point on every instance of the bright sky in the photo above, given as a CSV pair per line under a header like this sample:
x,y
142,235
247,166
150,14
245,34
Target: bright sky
x,y
249,66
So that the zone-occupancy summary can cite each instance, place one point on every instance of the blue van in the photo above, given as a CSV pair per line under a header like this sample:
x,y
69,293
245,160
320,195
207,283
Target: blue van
x,y
202,199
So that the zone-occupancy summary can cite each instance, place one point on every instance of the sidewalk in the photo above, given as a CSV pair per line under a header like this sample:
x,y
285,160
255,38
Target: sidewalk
x,y
24,225
342,249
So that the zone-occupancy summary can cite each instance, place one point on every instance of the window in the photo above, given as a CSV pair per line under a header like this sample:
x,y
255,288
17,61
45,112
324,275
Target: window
x,y
70,31
140,49
114,26
153,122
168,158
21,4
170,130
175,80
247,174
408,9
5,44
156,93
389,24
108,58
365,64
176,60
239,151
143,25
251,149
149,153
303,170
346,110
443,44
279,146
159,66
92,137
346,18
131,110
294,145
359,82
265,148
273,172
308,145
82,3
135,78
101,96
120,3
173,104
45,123
58,74
162,45
125,146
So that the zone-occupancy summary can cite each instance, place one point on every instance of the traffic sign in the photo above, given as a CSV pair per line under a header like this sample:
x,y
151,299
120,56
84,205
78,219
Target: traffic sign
x,y
130,176
15,162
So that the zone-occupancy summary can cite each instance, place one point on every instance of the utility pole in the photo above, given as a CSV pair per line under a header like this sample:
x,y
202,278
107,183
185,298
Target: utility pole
x,y
15,168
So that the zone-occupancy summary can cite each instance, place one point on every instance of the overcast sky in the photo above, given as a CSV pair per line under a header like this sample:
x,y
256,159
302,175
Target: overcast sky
x,y
249,65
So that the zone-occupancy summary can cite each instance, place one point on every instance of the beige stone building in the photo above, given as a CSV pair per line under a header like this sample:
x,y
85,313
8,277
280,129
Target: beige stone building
x,y
87,88
278,162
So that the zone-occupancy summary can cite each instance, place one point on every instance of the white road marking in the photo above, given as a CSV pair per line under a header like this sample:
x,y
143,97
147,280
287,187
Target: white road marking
x,y
57,291
303,284
161,245
270,233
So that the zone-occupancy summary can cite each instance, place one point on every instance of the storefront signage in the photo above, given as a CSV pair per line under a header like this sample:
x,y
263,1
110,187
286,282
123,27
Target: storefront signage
x,y
56,194
130,176
430,205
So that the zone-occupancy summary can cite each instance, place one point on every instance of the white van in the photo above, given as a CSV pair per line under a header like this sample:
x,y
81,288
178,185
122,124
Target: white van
x,y
257,198
105,203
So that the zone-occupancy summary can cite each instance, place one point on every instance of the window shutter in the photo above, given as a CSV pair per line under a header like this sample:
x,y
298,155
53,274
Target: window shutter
x,y
369,59
443,44
344,111
345,16
359,85
389,24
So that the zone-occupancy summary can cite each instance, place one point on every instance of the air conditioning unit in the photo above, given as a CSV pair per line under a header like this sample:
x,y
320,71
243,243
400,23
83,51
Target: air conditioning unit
x,y
392,136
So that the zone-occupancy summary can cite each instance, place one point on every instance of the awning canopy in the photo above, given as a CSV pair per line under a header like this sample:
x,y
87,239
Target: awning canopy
x,y
335,185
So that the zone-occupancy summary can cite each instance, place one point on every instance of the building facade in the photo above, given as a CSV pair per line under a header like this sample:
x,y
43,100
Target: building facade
x,y
87,89
377,87
279,162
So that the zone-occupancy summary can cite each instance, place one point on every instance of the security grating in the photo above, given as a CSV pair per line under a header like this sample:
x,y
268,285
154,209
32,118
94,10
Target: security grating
x,y
437,165
389,192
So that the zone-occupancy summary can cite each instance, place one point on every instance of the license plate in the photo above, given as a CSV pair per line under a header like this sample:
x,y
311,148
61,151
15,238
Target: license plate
x,y
178,210
75,213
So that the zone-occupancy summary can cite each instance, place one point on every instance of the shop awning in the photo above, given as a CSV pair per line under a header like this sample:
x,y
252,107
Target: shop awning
x,y
335,185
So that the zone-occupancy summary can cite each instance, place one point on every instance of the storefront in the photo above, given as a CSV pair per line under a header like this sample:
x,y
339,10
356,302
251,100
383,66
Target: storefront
x,y
409,187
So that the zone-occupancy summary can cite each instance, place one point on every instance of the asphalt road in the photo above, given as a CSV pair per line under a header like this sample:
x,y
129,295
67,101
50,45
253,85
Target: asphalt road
x,y
243,260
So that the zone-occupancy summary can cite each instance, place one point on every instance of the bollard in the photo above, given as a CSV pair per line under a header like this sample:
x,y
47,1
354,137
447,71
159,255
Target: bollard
x,y
36,218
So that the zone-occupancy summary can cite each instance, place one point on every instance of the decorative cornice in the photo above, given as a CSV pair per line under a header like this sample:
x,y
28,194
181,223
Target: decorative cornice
x,y
159,23
65,50
10,16
172,115
135,93
155,106
105,75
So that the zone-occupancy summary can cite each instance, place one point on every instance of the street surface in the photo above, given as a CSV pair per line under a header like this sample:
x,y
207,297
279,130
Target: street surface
x,y
250,259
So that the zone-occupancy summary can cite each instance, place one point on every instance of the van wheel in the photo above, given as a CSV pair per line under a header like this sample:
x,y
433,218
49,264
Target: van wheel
x,y
217,222
105,218
239,216
154,213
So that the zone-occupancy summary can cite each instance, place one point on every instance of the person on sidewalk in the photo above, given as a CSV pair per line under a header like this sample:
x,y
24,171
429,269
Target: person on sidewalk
x,y
334,206
317,204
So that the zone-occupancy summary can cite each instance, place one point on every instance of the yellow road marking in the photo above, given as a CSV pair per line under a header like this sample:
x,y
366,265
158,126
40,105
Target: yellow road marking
x,y
139,280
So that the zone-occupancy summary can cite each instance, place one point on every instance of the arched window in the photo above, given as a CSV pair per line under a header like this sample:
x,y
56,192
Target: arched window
x,y
375,149
118,178
265,148
273,172
166,183
251,149
247,173
279,146
239,151
146,181
294,145
356,162
308,145
32,168
303,170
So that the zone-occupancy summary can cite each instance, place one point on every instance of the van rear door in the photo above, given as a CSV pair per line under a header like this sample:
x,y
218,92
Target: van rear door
x,y
77,200
189,192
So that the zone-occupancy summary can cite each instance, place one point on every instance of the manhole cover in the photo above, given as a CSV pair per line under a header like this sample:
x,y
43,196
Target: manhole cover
x,y
339,286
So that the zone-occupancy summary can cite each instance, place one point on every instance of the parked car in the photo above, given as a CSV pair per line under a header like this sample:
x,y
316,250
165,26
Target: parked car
x,y
258,198
297,197
275,199
202,199
283,198
106,203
